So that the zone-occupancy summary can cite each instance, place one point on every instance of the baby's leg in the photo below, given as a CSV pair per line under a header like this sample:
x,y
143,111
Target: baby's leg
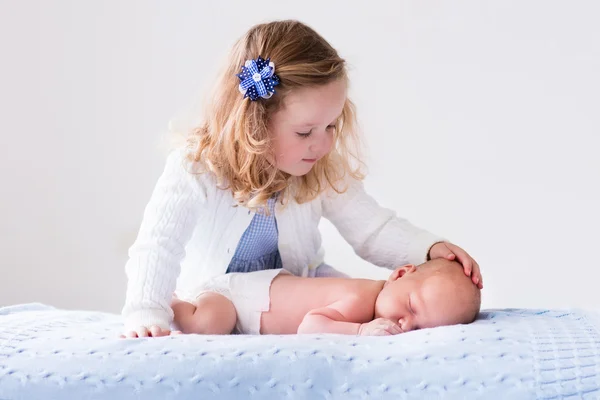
x,y
213,314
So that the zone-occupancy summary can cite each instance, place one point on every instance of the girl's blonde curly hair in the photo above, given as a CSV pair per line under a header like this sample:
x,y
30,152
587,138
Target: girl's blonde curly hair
x,y
233,140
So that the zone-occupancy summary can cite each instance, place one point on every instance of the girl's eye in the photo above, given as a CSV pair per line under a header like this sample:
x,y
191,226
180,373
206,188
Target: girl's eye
x,y
307,134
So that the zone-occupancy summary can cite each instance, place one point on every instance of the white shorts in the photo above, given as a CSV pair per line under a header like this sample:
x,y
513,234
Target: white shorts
x,y
249,292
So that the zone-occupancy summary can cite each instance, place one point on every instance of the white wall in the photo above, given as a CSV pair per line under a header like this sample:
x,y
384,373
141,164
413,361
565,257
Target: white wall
x,y
481,120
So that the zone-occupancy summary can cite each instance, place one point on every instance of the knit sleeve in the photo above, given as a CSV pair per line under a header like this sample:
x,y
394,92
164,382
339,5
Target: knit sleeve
x,y
155,256
377,234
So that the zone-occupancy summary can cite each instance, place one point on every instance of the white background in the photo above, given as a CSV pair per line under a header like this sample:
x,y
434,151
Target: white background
x,y
481,120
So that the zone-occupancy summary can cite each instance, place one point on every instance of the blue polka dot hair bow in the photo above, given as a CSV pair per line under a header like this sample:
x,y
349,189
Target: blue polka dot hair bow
x,y
258,78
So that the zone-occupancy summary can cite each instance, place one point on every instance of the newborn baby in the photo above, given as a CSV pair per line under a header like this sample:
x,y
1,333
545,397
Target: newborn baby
x,y
433,294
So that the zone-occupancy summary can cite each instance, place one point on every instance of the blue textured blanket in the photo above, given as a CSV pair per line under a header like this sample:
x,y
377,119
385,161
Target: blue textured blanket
x,y
48,353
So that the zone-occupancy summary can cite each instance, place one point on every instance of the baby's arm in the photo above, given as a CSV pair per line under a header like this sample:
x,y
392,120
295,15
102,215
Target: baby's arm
x,y
339,317
349,316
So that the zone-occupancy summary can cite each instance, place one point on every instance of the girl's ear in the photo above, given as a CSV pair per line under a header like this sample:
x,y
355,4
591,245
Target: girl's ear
x,y
401,271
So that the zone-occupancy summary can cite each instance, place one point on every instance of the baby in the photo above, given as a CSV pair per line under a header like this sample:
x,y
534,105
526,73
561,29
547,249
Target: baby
x,y
433,294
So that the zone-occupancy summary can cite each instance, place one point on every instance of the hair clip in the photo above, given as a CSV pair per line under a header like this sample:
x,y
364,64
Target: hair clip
x,y
258,78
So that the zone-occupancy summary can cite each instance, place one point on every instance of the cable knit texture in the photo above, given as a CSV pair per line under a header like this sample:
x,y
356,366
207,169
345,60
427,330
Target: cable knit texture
x,y
191,228
46,353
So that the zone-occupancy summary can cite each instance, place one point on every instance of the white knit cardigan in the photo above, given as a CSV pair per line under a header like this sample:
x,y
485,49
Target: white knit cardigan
x,y
191,228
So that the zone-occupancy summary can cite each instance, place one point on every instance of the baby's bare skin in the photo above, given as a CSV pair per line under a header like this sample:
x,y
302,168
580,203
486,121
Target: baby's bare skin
x,y
437,293
287,313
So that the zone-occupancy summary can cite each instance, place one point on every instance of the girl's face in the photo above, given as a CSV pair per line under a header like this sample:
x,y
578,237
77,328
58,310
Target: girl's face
x,y
303,129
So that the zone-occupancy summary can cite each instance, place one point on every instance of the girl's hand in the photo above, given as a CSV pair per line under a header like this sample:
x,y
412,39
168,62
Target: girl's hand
x,y
154,331
379,327
452,252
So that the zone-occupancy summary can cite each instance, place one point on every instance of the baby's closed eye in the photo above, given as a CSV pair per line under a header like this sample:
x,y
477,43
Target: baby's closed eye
x,y
410,306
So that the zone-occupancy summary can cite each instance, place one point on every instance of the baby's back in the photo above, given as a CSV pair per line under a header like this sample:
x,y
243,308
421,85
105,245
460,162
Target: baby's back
x,y
292,297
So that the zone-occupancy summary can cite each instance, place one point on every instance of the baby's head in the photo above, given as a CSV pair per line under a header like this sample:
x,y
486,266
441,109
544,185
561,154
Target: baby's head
x,y
303,133
433,294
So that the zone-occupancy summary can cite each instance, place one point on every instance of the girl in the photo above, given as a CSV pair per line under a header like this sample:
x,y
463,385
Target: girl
x,y
275,153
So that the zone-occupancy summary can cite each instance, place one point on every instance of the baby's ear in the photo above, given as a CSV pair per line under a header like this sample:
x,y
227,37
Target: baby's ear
x,y
401,271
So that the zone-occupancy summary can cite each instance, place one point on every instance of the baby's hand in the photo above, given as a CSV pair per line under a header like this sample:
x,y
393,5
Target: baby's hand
x,y
379,327
154,331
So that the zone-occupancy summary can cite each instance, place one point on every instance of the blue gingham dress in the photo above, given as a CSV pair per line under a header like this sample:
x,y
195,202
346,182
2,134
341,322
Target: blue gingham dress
x,y
257,249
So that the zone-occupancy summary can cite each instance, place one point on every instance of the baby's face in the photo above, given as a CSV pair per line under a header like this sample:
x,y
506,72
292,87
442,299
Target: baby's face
x,y
417,299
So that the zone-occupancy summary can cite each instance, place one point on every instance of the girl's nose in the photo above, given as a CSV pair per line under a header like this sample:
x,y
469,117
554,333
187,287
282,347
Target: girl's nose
x,y
320,145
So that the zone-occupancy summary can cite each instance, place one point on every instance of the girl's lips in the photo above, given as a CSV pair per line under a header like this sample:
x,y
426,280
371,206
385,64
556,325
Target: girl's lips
x,y
310,160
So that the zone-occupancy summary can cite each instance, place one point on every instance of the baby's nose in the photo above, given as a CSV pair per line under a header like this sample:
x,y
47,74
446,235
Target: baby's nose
x,y
406,324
